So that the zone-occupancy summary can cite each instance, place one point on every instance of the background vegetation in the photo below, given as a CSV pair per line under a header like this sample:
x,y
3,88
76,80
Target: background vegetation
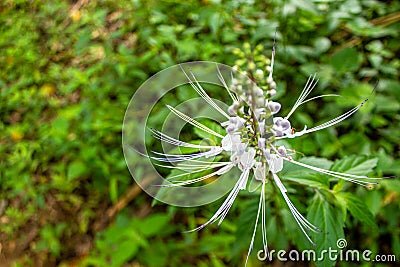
x,y
69,69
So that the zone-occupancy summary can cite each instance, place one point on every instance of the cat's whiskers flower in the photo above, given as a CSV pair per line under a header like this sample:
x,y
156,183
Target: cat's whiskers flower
x,y
252,129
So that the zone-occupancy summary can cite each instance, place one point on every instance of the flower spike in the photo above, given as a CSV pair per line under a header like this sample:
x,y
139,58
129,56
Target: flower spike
x,y
250,146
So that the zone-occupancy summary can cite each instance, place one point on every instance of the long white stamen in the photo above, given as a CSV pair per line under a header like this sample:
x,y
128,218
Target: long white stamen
x,y
193,168
225,206
333,173
260,203
335,120
177,158
222,80
272,58
341,117
165,138
203,93
221,171
300,220
244,176
326,124
200,163
199,89
304,221
263,225
295,212
310,85
343,176
301,97
189,156
234,94
209,164
194,122
320,96
331,122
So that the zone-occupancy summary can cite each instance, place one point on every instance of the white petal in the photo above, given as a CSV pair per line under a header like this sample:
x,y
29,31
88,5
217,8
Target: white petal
x,y
243,178
259,171
247,159
230,142
275,163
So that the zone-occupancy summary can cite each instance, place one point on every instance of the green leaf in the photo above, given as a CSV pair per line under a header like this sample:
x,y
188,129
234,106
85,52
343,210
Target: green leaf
x,y
358,209
374,201
391,104
363,28
126,249
329,220
308,179
164,191
76,169
215,242
152,225
339,186
113,184
358,165
305,176
59,128
213,126
392,185
346,60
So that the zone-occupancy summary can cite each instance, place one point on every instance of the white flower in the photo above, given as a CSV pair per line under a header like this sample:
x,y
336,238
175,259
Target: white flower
x,y
259,171
275,163
232,143
250,145
274,107
247,159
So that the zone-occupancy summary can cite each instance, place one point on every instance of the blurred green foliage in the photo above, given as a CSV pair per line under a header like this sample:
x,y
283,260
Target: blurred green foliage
x,y
69,68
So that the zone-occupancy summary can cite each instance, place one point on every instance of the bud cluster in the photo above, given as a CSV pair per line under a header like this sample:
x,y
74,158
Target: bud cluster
x,y
257,66
252,112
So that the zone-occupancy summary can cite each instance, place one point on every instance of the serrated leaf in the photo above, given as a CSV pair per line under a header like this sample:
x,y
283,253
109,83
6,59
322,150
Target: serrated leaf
x,y
358,209
313,161
308,179
329,220
358,165
305,176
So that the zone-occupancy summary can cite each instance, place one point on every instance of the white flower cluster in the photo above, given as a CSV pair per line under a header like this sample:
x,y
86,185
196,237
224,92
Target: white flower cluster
x,y
252,129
